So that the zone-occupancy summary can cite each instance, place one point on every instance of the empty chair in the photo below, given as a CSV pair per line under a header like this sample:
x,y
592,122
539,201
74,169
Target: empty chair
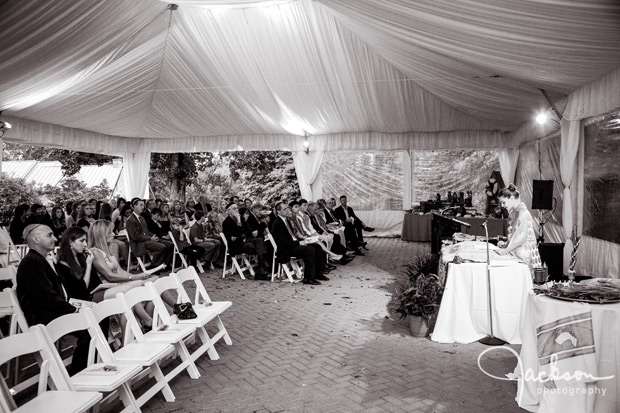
x,y
160,333
8,274
101,377
199,323
148,355
203,306
63,397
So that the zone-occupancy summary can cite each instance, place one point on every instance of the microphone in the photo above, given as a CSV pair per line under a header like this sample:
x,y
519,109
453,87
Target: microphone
x,y
483,225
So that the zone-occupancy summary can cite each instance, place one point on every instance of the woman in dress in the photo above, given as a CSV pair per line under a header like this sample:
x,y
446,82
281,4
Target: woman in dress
x,y
75,266
100,236
58,219
521,236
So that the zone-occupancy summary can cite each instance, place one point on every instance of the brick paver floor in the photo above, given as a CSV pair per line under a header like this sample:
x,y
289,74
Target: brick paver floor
x,y
336,348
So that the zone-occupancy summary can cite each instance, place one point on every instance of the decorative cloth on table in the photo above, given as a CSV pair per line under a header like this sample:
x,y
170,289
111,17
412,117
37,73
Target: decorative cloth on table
x,y
565,342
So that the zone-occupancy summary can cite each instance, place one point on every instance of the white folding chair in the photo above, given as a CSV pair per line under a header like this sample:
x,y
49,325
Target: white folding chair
x,y
203,306
176,252
160,333
148,355
198,264
63,398
290,268
106,378
9,274
235,266
170,283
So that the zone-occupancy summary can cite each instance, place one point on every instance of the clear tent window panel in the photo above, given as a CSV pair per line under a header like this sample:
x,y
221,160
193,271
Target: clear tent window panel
x,y
371,180
455,171
602,179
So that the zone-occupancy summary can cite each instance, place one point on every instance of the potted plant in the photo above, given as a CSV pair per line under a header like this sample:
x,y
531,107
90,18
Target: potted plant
x,y
419,301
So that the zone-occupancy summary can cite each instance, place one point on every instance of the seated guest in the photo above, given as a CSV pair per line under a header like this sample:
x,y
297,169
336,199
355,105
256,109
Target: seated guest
x,y
46,219
120,224
108,269
58,221
255,221
333,225
85,216
18,224
203,205
164,218
290,246
237,244
319,226
353,226
154,224
36,213
71,219
141,240
197,237
105,212
307,230
178,211
41,291
297,229
189,209
117,213
213,230
253,236
247,203
193,252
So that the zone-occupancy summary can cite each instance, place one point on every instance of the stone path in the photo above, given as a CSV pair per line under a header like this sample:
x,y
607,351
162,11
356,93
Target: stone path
x,y
335,348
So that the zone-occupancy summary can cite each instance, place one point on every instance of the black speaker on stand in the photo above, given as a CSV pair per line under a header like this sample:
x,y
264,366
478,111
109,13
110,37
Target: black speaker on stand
x,y
542,198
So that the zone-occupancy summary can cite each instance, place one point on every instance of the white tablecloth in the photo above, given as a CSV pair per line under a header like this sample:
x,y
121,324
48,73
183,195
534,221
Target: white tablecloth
x,y
463,314
599,397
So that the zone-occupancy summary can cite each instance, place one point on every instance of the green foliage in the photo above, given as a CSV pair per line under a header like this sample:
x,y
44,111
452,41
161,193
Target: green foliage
x,y
71,160
421,264
16,191
421,294
420,298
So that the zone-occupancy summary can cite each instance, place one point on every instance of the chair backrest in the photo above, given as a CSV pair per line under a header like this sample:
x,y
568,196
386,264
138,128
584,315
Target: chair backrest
x,y
9,305
190,274
33,342
186,233
136,296
9,274
158,287
82,320
224,240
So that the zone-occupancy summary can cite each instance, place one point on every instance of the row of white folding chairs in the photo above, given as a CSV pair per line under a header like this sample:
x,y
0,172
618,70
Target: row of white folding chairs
x,y
292,268
146,350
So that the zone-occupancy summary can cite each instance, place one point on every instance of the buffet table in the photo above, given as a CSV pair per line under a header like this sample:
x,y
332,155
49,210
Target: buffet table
x,y
463,313
417,227
586,323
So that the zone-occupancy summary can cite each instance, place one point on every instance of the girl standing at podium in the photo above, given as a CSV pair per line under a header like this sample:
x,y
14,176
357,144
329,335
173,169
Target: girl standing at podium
x,y
521,236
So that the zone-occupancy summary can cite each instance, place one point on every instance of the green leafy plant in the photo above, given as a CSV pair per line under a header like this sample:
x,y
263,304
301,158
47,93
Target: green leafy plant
x,y
420,298
421,264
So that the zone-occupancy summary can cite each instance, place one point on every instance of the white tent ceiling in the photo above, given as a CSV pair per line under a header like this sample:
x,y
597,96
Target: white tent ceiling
x,y
211,74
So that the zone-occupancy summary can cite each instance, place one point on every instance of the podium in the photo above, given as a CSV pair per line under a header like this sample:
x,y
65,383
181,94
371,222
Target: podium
x,y
442,228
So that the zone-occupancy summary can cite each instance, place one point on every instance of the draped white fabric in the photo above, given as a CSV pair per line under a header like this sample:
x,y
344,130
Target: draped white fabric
x,y
307,168
136,174
211,74
572,134
508,158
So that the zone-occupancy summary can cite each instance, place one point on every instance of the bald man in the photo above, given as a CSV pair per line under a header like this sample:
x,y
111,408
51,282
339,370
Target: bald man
x,y
40,290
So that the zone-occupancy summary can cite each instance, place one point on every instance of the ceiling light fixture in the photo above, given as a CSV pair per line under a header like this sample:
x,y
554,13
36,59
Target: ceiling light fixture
x,y
306,145
541,118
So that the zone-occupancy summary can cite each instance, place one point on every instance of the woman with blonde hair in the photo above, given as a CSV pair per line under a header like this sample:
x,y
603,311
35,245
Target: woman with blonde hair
x,y
100,234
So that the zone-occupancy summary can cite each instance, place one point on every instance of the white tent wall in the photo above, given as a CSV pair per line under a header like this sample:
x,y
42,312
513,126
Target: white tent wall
x,y
132,78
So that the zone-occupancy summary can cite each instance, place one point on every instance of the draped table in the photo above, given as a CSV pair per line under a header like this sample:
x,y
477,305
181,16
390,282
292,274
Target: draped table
x,y
417,227
463,315
587,324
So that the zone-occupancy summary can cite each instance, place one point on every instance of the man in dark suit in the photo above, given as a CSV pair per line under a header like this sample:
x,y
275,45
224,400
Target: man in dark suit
x,y
141,240
40,290
289,246
352,224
